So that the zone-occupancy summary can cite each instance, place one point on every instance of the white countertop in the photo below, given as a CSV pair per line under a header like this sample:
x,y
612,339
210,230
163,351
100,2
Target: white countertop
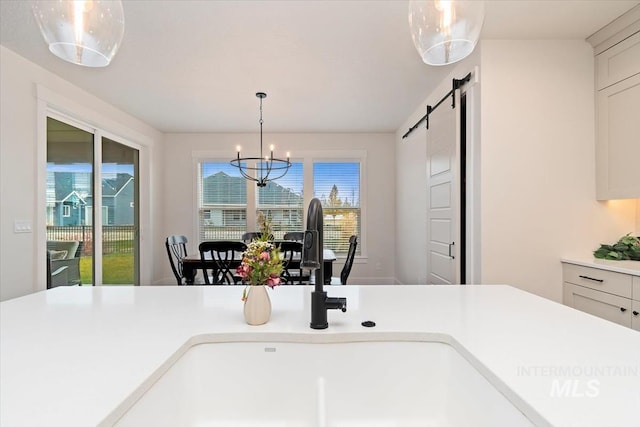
x,y
626,267
69,356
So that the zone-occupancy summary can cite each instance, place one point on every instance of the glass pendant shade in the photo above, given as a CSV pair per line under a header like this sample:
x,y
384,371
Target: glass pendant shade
x,y
84,32
445,31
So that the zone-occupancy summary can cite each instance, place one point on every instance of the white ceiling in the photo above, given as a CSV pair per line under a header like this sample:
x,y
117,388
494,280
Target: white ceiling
x,y
327,66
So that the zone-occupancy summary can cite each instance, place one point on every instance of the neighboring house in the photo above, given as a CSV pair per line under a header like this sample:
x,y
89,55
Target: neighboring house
x,y
224,202
70,202
117,200
66,198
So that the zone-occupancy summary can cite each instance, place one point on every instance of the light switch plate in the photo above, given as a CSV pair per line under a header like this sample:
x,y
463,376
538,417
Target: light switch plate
x,y
22,226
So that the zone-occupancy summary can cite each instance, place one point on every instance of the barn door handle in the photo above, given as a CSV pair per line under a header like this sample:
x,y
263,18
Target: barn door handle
x,y
451,246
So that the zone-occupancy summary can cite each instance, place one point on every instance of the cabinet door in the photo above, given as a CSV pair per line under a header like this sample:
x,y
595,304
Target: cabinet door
x,y
606,306
618,141
635,315
619,62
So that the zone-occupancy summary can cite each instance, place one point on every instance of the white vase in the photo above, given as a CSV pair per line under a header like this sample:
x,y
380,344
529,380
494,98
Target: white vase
x,y
257,306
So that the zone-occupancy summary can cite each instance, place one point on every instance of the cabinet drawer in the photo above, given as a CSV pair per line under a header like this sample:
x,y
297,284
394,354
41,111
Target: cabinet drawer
x,y
619,62
635,294
601,304
601,280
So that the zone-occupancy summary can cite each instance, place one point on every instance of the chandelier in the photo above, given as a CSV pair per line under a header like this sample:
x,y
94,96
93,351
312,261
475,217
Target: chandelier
x,y
445,31
83,32
264,168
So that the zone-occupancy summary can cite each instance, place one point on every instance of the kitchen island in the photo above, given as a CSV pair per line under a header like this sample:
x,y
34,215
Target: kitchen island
x,y
71,356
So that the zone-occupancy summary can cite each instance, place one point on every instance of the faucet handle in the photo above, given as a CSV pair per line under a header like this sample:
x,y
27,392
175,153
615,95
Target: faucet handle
x,y
334,303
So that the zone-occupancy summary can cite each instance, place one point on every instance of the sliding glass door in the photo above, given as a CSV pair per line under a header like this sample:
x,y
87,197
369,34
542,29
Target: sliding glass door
x,y
91,208
119,213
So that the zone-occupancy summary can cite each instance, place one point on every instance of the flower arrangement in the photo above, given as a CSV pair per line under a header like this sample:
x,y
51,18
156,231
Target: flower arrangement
x,y
264,225
261,265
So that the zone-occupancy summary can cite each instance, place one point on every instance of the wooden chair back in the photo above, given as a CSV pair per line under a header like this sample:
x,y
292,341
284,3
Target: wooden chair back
x,y
297,236
177,251
227,256
292,272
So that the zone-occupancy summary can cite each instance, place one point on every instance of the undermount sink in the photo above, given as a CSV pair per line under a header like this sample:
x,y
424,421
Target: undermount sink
x,y
381,383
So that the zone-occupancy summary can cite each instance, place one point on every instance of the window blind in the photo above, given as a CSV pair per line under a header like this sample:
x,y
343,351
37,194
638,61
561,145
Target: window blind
x,y
222,202
337,186
281,201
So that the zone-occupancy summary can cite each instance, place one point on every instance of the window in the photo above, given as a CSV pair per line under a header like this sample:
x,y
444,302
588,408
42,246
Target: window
x,y
66,211
222,199
337,186
228,204
282,202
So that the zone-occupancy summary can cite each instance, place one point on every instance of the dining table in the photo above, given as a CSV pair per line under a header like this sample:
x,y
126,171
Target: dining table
x,y
192,263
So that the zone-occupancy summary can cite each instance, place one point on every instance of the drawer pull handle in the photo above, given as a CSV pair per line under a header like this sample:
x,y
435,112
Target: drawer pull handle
x,y
635,313
622,309
591,278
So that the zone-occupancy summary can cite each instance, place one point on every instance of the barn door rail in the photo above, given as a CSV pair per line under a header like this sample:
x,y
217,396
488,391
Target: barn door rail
x,y
456,84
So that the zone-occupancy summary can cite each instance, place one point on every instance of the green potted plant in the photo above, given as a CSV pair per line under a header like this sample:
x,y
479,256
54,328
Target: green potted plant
x,y
627,248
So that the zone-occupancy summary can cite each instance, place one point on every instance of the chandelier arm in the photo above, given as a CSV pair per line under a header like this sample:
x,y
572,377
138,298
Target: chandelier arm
x,y
246,176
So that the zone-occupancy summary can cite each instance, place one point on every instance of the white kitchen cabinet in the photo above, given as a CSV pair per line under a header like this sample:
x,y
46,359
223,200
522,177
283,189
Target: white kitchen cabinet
x,y
604,293
617,71
606,306
635,315
618,140
619,62
635,304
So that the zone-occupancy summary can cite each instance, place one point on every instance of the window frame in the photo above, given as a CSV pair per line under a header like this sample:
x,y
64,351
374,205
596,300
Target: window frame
x,y
307,158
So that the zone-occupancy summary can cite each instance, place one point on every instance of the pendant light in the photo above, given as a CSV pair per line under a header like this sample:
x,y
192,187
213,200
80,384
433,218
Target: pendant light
x,y
445,31
264,168
84,32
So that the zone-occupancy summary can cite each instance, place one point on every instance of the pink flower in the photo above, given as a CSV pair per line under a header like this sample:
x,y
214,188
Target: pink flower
x,y
243,270
265,256
273,281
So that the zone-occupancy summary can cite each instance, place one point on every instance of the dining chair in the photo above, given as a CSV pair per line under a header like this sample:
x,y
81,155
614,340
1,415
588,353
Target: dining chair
x,y
226,256
251,235
177,251
292,272
346,270
297,236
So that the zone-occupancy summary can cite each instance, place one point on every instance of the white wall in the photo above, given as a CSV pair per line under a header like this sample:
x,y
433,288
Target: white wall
x,y
180,174
537,168
19,80
538,164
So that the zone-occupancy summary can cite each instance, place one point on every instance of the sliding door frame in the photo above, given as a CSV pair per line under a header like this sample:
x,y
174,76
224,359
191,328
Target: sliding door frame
x,y
46,109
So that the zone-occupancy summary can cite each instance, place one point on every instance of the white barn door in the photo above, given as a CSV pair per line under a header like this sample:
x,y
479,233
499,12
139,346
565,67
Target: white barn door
x,y
443,186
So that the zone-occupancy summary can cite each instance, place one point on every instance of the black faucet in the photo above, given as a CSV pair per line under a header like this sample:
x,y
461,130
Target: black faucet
x,y
312,258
